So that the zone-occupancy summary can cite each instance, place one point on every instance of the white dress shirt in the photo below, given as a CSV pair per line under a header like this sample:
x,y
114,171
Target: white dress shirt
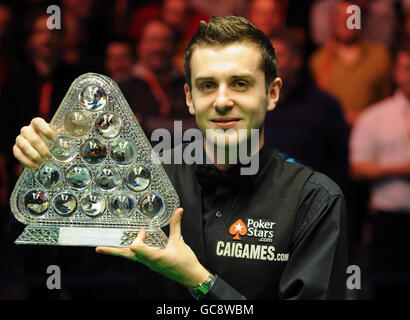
x,y
381,135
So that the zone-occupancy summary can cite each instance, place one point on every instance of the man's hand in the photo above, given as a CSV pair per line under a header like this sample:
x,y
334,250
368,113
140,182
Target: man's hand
x,y
30,148
176,261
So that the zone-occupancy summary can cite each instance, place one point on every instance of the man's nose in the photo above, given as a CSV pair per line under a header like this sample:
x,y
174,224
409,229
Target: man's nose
x,y
223,101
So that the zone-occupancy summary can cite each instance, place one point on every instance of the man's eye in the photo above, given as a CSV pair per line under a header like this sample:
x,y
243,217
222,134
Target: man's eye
x,y
240,84
207,86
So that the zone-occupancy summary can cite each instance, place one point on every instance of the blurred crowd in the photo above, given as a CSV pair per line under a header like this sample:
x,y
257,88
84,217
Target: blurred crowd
x,y
344,108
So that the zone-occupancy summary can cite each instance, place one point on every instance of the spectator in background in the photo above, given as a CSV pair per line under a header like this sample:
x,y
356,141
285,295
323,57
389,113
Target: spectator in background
x,y
155,90
307,123
120,15
380,153
221,8
267,15
119,59
36,88
320,18
85,26
178,14
353,69
37,85
270,17
379,20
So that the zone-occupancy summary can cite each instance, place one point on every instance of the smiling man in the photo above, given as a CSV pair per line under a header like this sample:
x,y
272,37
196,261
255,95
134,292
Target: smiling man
x,y
227,91
277,234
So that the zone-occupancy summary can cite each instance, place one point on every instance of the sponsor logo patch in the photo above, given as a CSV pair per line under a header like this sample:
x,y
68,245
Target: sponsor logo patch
x,y
261,229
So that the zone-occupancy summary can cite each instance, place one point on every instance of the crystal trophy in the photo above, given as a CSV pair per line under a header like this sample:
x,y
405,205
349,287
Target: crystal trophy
x,y
102,182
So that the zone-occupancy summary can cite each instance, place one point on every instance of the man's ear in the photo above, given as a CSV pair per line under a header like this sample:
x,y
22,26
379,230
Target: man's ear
x,y
274,89
188,99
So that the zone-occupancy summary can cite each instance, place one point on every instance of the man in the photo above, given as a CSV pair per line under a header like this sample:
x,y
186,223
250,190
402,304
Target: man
x,y
119,58
274,17
308,124
156,81
277,234
180,15
353,69
380,154
268,15
43,76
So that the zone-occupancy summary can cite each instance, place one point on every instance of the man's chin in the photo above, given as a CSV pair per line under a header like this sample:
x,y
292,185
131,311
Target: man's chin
x,y
227,139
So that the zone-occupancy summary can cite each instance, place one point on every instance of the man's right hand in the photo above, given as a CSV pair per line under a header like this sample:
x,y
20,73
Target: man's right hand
x,y
30,148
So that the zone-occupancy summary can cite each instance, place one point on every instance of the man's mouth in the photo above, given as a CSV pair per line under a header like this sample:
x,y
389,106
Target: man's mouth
x,y
225,122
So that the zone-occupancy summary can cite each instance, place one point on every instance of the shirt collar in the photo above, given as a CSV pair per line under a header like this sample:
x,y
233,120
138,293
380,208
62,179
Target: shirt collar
x,y
208,173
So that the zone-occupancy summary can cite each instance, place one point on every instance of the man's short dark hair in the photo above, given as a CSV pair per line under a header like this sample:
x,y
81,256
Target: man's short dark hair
x,y
221,31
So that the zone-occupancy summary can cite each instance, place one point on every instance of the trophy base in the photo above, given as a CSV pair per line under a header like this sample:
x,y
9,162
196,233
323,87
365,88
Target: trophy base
x,y
88,237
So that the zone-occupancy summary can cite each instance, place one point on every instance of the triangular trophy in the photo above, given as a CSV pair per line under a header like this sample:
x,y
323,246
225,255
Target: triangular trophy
x,y
102,183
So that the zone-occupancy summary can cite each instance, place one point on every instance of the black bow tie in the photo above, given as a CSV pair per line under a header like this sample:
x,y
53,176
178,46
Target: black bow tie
x,y
210,176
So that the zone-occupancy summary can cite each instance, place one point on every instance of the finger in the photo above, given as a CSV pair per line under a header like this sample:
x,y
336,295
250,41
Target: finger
x,y
118,252
20,156
28,150
35,140
175,224
138,245
41,126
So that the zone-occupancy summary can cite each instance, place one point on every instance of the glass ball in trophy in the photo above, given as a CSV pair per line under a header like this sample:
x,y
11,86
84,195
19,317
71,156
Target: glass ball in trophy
x,y
78,176
123,151
93,204
49,175
93,151
77,123
64,203
150,205
108,125
108,178
122,205
36,202
63,149
93,98
138,178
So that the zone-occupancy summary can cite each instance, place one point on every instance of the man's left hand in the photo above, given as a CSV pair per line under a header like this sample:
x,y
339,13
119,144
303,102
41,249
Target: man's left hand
x,y
176,261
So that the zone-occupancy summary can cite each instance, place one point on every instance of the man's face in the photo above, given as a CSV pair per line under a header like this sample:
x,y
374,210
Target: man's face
x,y
228,89
118,60
43,42
339,23
174,11
156,47
266,15
402,72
